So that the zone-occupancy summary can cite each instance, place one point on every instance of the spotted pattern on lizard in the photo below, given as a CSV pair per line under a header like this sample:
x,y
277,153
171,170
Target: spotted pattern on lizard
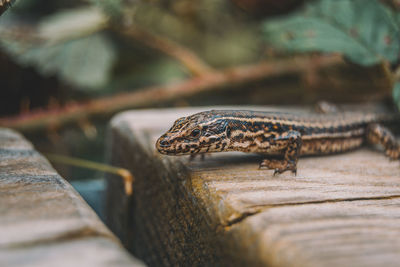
x,y
277,133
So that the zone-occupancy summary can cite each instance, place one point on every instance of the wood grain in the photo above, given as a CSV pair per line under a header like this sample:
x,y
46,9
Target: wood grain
x,y
341,209
43,220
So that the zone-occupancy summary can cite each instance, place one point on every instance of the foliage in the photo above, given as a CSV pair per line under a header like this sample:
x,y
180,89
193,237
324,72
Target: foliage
x,y
112,8
365,32
68,44
84,62
84,45
82,42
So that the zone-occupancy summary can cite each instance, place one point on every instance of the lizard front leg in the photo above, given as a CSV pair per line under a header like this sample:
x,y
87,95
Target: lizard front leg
x,y
292,143
378,134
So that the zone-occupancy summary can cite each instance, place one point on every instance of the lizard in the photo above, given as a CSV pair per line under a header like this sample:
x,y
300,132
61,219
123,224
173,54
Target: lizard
x,y
284,134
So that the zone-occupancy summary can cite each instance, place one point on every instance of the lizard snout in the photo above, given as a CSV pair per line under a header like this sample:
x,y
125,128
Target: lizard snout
x,y
163,143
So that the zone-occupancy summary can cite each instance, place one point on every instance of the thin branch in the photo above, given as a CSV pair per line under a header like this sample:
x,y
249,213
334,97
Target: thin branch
x,y
185,56
150,96
125,174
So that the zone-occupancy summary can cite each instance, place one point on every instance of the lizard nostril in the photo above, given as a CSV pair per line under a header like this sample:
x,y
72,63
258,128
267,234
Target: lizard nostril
x,y
163,143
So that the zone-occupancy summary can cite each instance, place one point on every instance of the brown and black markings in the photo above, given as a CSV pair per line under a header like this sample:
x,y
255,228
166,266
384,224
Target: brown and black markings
x,y
276,133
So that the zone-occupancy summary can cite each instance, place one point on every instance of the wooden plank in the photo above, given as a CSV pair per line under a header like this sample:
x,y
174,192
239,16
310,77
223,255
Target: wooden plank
x,y
339,210
81,251
43,220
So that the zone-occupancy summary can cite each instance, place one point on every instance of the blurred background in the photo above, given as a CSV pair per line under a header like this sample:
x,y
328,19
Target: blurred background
x,y
66,67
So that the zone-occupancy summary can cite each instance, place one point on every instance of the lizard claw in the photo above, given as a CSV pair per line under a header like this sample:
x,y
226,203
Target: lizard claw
x,y
279,166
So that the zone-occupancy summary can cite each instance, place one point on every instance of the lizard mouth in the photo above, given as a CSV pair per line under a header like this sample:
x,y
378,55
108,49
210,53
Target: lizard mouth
x,y
173,152
168,147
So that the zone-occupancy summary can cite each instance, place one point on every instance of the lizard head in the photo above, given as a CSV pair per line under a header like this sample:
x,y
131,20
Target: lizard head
x,y
199,133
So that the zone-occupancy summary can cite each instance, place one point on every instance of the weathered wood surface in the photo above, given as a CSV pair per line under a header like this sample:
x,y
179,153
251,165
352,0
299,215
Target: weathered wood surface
x,y
340,210
43,221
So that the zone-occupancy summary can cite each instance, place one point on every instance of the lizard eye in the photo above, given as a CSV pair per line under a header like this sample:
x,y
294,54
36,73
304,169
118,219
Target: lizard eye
x,y
195,133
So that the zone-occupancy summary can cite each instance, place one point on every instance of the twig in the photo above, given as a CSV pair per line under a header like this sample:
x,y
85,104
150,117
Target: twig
x,y
145,97
123,173
185,56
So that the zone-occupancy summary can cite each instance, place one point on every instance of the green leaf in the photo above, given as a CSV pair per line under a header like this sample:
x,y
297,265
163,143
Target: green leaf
x,y
113,8
84,62
71,24
68,44
366,32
